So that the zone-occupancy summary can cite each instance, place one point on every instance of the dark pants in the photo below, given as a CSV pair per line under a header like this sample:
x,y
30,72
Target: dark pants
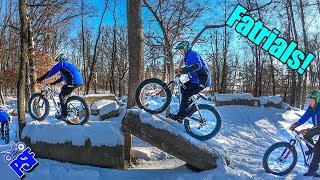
x,y
191,89
66,90
2,129
316,156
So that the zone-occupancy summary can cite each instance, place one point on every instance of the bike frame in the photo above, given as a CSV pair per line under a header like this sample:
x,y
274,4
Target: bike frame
x,y
177,82
52,92
299,138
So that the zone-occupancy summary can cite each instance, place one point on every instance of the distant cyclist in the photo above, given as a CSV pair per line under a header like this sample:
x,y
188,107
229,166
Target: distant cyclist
x,y
199,77
70,75
313,112
4,118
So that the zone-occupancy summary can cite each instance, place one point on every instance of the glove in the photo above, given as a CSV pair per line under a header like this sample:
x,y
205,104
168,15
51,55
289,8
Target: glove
x,y
303,131
178,71
39,80
53,83
293,126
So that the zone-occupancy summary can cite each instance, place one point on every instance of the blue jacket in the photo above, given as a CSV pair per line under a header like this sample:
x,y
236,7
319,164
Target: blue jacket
x,y
4,117
69,73
314,114
201,74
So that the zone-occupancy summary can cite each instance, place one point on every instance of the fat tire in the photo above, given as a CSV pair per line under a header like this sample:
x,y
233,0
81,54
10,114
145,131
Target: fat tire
x,y
272,148
46,103
163,85
86,106
216,129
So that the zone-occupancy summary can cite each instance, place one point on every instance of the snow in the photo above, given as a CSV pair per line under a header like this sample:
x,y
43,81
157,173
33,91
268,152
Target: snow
x,y
246,133
273,99
97,95
77,135
160,122
55,131
108,107
230,97
99,104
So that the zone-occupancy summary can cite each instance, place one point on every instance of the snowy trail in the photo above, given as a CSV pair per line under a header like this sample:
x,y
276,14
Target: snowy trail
x,y
246,132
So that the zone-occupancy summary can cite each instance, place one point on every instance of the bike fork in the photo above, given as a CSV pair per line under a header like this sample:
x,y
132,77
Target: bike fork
x,y
196,104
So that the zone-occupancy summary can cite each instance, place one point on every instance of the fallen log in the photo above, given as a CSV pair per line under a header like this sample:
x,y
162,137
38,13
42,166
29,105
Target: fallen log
x,y
199,154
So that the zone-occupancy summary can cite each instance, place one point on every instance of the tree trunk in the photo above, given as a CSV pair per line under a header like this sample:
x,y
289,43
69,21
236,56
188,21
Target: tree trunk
x,y
224,66
3,101
22,67
272,77
136,59
33,73
172,143
27,84
306,49
95,53
136,48
83,45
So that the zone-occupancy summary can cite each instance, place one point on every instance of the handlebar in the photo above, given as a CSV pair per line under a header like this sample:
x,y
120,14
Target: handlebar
x,y
297,132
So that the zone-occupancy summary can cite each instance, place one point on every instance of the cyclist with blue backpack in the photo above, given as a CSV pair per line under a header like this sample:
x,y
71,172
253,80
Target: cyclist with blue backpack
x,y
199,77
313,112
70,75
4,119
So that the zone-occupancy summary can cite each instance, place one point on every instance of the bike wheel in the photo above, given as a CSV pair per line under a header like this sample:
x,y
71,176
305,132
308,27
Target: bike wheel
x,y
280,158
38,107
78,111
153,96
203,124
6,132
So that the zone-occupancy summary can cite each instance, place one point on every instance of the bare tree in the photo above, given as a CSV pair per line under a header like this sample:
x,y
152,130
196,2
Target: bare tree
x,y
23,60
94,59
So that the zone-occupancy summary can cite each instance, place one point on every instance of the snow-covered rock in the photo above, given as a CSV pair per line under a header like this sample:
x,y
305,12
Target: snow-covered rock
x,y
88,144
236,96
104,103
92,98
269,99
234,99
110,109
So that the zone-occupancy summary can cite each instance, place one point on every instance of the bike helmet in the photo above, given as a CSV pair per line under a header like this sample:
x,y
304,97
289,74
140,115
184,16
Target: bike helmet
x,y
314,94
60,57
185,45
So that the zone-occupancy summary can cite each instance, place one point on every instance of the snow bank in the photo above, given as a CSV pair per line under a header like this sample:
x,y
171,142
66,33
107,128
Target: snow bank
x,y
230,97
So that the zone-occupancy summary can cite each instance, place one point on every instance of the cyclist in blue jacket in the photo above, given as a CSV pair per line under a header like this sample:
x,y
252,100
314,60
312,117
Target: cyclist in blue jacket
x,y
4,117
199,77
70,75
313,111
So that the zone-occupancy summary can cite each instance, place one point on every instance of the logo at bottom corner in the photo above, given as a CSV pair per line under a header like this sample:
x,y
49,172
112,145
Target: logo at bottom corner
x,y
23,161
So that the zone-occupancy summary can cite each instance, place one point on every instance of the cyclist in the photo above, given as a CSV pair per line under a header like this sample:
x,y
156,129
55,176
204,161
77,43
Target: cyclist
x,y
313,111
4,118
199,77
72,77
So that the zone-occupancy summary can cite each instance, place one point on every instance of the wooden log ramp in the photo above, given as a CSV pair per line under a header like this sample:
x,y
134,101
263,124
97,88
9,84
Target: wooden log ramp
x,y
197,154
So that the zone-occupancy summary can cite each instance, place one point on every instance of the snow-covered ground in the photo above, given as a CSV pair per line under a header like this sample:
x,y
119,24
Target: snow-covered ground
x,y
246,133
